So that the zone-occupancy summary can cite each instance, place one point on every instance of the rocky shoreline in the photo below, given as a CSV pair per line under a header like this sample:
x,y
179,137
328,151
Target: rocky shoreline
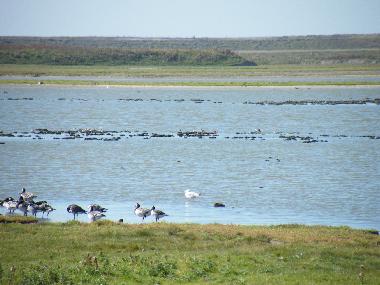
x,y
375,101
89,134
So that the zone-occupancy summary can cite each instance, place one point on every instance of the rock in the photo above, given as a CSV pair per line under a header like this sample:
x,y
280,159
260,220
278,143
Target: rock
x,y
219,205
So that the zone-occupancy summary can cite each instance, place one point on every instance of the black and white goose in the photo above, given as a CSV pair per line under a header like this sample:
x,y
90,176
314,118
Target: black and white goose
x,y
158,214
39,206
10,204
46,208
75,210
27,196
142,212
96,207
93,214
33,208
22,205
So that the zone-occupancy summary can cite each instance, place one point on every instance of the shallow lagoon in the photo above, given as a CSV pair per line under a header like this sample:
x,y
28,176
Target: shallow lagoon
x,y
265,180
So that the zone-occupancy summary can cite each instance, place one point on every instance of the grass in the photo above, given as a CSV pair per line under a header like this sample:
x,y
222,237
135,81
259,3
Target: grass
x,y
111,253
188,71
190,83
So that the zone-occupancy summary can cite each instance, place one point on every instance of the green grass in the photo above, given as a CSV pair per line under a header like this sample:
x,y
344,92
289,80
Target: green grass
x,y
187,71
313,57
66,55
110,253
191,83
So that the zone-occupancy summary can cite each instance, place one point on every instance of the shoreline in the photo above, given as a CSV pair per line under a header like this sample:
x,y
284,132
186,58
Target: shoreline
x,y
19,219
194,85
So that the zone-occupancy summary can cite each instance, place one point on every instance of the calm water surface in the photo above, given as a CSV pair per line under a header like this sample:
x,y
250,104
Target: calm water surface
x,y
266,180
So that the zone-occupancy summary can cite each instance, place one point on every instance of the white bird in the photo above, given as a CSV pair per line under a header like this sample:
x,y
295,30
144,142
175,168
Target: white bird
x,y
191,194
142,212
27,196
157,213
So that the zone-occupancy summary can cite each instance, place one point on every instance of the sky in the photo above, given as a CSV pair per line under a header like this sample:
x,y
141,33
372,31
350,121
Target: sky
x,y
188,18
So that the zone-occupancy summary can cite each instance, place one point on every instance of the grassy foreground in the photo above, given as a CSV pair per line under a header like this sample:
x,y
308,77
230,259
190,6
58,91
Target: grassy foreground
x,y
110,253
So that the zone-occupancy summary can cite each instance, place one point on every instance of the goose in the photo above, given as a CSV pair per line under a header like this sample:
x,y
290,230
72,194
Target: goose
x,y
96,207
10,204
33,208
191,194
141,212
47,208
157,213
27,196
40,206
94,214
75,210
22,205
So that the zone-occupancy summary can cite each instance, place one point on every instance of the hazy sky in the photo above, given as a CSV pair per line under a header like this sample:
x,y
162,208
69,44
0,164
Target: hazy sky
x,y
187,18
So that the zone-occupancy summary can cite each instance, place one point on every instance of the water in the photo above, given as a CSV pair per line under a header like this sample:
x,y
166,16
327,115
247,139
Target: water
x,y
265,180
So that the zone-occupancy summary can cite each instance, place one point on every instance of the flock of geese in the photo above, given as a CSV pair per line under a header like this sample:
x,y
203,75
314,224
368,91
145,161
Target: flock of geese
x,y
26,204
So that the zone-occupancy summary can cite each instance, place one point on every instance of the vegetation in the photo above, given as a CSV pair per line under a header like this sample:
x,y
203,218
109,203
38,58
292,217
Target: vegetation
x,y
111,56
190,83
160,253
189,71
273,43
305,50
313,57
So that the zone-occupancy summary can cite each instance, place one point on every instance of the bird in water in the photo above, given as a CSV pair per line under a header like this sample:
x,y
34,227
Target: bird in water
x,y
158,214
191,194
75,210
142,212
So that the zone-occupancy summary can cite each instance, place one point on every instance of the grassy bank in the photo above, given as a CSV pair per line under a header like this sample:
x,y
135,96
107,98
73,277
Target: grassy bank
x,y
110,253
189,83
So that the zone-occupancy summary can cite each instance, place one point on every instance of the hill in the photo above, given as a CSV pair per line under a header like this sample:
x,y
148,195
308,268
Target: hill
x,y
66,55
300,50
311,42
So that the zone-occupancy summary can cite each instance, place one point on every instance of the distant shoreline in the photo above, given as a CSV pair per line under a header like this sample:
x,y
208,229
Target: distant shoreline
x,y
181,85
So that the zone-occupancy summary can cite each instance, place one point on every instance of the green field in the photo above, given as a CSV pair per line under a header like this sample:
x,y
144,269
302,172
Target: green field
x,y
160,253
184,75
